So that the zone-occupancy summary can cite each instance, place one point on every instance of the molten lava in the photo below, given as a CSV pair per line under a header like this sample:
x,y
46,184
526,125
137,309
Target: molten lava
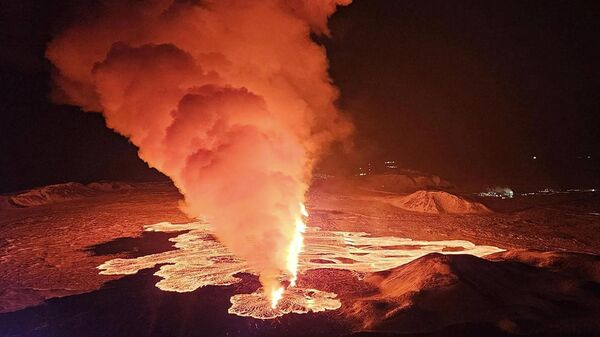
x,y
276,296
296,245
200,260
293,255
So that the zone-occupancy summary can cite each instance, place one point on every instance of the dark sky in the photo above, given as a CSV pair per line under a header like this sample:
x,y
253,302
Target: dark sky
x,y
469,90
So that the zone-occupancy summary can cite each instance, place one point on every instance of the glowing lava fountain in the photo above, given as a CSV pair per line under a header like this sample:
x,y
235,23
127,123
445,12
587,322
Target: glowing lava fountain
x,y
293,255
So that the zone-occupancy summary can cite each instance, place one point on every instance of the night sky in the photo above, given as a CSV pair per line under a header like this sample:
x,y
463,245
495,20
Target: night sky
x,y
469,90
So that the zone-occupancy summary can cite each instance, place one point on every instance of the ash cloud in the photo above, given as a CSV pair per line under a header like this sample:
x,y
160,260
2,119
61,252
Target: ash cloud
x,y
230,99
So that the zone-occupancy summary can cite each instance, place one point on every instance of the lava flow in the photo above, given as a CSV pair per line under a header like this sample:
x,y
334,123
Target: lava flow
x,y
200,261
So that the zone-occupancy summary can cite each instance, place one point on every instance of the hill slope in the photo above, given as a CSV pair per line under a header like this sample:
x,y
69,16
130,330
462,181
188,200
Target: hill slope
x,y
437,202
437,291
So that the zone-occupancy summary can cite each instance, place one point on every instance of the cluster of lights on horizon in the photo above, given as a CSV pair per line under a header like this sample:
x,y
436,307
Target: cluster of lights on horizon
x,y
507,193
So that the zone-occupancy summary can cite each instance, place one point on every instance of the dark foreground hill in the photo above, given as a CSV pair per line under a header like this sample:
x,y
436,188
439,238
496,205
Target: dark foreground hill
x,y
536,293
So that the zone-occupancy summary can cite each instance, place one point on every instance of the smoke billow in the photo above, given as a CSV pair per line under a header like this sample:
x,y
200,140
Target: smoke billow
x,y
231,99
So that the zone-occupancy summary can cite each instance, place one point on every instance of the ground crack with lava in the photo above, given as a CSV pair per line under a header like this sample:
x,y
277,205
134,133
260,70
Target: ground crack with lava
x,y
200,260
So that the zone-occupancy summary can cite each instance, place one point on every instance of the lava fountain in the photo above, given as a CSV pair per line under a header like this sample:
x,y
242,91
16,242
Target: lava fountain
x,y
230,99
296,245
293,256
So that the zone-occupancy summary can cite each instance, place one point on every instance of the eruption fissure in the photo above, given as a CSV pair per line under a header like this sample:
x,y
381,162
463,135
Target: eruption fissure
x,y
231,99
200,261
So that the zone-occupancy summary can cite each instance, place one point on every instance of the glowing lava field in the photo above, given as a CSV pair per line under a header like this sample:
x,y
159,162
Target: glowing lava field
x,y
366,267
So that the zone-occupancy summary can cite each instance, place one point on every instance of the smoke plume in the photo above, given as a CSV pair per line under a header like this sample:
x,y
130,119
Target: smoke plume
x,y
231,99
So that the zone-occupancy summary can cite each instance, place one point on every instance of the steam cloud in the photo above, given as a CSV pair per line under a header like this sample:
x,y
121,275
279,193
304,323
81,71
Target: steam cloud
x,y
231,99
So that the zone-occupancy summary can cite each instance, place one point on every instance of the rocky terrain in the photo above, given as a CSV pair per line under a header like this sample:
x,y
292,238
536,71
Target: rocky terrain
x,y
437,202
63,192
438,291
547,282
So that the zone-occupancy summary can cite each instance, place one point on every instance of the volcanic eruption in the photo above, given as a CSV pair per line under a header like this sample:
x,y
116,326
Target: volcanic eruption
x,y
230,99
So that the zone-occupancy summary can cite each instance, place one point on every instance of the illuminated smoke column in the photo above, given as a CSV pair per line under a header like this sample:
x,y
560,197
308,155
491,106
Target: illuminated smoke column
x,y
230,99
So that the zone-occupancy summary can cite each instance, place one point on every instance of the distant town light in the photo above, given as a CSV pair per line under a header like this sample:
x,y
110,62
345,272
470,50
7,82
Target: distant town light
x,y
534,157
390,164
498,192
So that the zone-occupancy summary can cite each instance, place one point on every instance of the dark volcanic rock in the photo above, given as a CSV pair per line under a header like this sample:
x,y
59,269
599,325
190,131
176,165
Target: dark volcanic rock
x,y
439,291
400,183
133,306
